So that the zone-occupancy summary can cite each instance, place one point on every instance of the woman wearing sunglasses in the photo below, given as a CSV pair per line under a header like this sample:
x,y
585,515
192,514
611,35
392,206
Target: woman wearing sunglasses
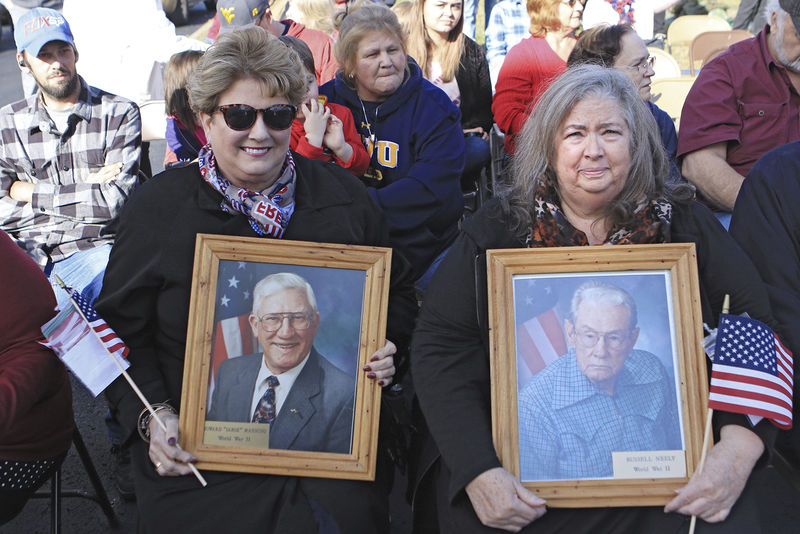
x,y
412,131
246,182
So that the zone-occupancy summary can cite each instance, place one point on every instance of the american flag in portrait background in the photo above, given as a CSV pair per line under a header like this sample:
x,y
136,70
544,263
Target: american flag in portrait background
x,y
752,371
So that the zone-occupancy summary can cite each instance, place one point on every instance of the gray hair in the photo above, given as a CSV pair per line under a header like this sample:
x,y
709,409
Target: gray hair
x,y
269,285
604,293
365,18
534,161
241,54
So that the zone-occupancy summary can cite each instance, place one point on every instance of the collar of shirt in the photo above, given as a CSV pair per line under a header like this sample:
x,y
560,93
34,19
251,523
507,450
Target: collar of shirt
x,y
286,380
40,119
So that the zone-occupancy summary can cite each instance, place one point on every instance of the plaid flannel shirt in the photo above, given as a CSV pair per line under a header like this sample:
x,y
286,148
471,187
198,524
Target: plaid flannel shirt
x,y
568,428
67,214
509,23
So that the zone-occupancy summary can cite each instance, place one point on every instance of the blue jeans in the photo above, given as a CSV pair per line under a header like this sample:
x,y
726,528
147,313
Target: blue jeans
x,y
477,157
83,271
422,284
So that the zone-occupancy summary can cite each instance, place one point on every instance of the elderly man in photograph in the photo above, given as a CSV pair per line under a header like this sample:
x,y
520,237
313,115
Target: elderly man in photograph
x,y
603,396
306,400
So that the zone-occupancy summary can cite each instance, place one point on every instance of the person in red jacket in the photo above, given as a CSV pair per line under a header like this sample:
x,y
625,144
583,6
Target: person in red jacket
x,y
35,392
324,131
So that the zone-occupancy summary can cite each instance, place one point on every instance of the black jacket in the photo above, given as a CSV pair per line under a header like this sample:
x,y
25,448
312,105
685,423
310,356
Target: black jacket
x,y
475,87
450,347
145,296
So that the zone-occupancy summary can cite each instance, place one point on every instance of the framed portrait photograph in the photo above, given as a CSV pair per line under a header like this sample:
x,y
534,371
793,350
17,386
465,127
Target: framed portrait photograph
x,y
278,331
599,384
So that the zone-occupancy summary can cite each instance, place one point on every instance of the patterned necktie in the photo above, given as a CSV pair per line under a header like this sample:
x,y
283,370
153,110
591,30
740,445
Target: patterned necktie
x,y
265,411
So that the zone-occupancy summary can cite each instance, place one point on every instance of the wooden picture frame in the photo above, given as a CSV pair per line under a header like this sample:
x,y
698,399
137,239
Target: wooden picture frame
x,y
556,269
351,288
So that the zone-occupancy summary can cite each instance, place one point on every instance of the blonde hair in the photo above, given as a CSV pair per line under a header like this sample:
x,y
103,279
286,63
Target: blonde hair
x,y
249,53
362,20
316,14
544,16
421,46
176,75
404,10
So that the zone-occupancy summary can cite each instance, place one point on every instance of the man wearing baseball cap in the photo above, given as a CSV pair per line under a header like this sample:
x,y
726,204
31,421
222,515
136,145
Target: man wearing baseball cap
x,y
237,14
69,158
744,103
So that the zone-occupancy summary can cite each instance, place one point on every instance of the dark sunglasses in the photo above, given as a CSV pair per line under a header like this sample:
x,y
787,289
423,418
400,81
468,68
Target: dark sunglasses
x,y
242,117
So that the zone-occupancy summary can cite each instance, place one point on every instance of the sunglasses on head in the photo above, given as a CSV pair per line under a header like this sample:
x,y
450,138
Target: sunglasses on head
x,y
242,117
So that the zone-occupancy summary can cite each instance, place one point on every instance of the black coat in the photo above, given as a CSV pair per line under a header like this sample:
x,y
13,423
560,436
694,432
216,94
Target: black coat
x,y
475,87
145,299
450,354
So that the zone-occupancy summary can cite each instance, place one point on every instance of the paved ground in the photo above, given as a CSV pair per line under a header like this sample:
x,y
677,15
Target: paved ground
x,y
780,502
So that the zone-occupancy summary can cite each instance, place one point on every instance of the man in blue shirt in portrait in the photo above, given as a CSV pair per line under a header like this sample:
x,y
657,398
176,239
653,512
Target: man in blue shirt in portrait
x,y
603,396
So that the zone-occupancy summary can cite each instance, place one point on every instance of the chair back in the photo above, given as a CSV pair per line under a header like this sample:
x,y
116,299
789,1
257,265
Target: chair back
x,y
708,45
670,94
154,120
665,66
683,29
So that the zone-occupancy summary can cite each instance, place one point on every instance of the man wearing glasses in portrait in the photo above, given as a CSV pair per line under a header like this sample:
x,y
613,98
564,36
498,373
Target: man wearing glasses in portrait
x,y
306,400
603,396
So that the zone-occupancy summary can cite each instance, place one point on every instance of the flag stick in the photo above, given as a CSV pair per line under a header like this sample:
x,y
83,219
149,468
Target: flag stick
x,y
130,381
707,435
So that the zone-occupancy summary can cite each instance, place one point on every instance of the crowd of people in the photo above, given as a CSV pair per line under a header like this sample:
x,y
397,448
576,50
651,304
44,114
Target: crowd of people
x,y
358,124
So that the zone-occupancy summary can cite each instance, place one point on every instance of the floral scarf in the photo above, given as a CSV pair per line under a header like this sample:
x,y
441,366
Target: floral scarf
x,y
268,213
552,229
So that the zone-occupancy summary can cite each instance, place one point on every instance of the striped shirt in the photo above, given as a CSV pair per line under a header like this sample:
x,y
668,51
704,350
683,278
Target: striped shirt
x,y
67,214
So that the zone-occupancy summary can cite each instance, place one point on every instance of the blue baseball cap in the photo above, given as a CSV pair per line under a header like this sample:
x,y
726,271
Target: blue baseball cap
x,y
38,27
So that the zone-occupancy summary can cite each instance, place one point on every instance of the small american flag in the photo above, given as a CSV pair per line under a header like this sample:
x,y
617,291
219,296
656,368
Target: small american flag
x,y
109,338
752,371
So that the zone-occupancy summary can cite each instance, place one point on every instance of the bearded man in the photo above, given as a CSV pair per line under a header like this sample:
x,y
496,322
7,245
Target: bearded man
x,y
744,103
69,158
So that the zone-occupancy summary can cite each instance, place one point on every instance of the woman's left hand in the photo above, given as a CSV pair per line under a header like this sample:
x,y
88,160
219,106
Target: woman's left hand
x,y
712,493
381,364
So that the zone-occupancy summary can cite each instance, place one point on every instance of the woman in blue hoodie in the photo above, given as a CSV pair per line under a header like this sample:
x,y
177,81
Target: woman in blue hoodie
x,y
412,131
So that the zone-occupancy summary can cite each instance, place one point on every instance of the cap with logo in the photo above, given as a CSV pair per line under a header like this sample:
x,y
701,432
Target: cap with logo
x,y
38,27
237,14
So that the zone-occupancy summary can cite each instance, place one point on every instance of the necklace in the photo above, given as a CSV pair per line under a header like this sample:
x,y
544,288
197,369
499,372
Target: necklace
x,y
366,122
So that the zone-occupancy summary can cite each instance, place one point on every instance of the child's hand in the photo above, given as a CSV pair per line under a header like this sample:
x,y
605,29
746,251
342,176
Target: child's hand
x,y
316,121
334,139
334,134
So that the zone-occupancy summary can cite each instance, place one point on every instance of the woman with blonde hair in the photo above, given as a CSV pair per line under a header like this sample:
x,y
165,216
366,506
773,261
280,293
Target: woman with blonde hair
x,y
456,64
412,132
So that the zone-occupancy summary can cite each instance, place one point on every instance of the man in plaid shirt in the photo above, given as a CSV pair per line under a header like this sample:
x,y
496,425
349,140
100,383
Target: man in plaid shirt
x,y
69,158
509,23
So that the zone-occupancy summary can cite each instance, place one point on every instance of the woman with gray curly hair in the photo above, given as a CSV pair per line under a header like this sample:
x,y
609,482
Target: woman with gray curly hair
x,y
246,182
590,169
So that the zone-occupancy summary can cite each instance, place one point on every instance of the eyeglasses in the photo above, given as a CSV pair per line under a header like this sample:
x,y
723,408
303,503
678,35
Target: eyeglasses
x,y
241,117
647,62
273,322
613,340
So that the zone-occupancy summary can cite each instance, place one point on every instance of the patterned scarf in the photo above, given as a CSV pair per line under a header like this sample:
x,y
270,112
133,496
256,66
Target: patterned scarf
x,y
552,229
268,213
625,10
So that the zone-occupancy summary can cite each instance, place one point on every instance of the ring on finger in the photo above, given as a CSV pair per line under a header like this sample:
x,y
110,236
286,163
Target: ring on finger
x,y
158,466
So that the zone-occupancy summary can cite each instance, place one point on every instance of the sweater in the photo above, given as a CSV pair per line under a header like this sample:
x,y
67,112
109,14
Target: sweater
x,y
416,146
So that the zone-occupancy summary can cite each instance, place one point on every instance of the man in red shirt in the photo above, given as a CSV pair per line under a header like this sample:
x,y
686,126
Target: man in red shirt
x,y
235,14
743,104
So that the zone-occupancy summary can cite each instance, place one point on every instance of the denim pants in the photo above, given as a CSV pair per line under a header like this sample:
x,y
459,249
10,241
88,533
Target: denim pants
x,y
83,271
